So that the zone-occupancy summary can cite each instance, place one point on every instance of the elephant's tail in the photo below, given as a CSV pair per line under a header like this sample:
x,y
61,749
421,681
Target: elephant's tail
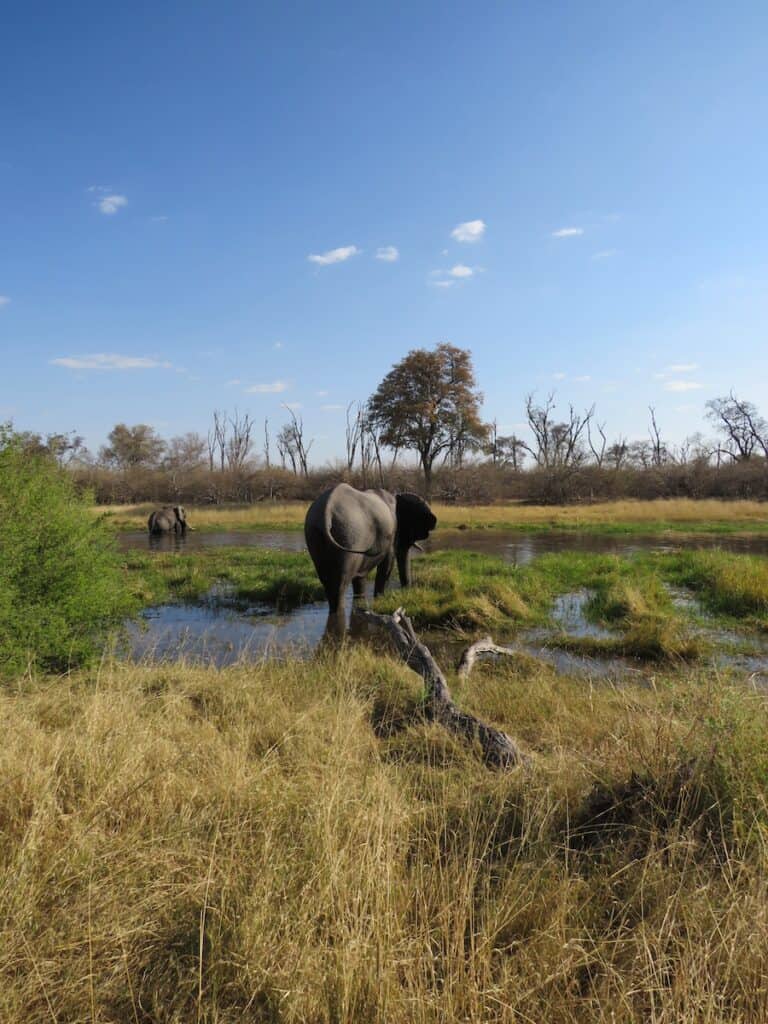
x,y
370,553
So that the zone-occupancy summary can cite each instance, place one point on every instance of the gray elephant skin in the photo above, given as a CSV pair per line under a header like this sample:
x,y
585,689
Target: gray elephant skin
x,y
170,519
351,532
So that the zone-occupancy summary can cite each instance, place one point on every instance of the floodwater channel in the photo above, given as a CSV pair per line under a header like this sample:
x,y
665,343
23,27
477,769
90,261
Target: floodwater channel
x,y
218,631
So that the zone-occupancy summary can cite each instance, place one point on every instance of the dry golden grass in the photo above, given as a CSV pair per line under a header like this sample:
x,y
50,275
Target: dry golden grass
x,y
673,514
181,844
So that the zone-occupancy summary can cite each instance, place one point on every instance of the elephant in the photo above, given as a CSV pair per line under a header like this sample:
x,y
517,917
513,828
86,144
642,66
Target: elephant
x,y
170,519
349,532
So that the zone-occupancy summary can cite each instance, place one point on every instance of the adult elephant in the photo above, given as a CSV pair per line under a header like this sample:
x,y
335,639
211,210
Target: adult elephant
x,y
170,519
350,532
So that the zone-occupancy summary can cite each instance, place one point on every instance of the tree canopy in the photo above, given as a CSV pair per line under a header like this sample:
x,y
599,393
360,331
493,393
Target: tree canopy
x,y
429,402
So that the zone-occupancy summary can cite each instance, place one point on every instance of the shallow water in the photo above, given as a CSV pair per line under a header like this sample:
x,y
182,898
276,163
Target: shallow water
x,y
569,614
219,632
511,545
220,635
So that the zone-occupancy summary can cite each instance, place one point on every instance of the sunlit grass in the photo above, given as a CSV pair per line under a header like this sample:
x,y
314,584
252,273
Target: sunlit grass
x,y
735,585
675,515
182,844
256,575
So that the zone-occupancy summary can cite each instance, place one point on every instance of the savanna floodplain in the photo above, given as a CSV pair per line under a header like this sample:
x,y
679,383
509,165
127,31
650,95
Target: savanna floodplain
x,y
293,839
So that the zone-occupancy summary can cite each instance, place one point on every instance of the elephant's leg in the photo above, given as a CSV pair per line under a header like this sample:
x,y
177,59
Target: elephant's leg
x,y
334,585
382,575
358,586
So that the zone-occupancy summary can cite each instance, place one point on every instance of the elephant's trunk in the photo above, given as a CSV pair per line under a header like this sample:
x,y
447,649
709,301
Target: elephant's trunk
x,y
404,566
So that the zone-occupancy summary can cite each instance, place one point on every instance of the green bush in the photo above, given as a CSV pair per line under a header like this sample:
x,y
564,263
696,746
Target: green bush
x,y
61,586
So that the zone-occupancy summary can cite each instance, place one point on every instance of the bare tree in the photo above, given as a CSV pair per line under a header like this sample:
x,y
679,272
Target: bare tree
x,y
660,454
353,433
504,450
239,443
286,447
743,428
216,441
598,449
291,444
187,451
617,453
556,445
267,462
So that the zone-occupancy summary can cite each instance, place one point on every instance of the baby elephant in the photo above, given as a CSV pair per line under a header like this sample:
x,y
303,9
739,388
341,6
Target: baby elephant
x,y
168,519
351,532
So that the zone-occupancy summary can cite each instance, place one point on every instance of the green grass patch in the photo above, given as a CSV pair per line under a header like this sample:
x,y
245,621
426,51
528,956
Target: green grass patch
x,y
473,593
254,575
461,589
727,584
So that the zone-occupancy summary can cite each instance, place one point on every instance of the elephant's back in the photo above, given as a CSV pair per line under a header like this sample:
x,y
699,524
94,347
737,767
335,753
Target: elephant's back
x,y
355,519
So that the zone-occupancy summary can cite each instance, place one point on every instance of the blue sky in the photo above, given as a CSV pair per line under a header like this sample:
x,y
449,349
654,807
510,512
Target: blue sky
x,y
168,170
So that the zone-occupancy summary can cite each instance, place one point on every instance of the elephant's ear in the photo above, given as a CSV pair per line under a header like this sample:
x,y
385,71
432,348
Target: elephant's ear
x,y
415,518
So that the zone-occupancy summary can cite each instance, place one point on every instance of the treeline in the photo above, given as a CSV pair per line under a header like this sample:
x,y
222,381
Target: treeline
x,y
421,430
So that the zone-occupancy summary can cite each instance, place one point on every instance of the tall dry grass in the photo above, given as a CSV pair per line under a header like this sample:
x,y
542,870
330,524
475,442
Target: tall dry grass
x,y
283,843
651,516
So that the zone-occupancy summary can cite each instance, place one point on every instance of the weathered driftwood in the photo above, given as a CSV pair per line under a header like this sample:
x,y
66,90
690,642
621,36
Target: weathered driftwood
x,y
478,650
499,750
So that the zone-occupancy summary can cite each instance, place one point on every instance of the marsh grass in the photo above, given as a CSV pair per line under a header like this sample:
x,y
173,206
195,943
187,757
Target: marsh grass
x,y
250,575
471,593
181,844
673,515
730,585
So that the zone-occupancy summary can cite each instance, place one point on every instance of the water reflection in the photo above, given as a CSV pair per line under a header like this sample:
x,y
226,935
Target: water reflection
x,y
514,547
167,541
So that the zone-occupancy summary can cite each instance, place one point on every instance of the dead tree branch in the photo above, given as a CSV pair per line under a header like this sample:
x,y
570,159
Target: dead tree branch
x,y
499,749
478,650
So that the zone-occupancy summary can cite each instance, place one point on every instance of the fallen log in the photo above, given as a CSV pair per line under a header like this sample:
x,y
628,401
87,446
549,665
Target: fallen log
x,y
499,750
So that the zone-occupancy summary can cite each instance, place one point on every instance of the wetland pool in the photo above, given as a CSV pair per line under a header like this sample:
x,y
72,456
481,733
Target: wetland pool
x,y
217,631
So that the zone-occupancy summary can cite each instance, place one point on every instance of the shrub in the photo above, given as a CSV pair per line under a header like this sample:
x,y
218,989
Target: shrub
x,y
61,585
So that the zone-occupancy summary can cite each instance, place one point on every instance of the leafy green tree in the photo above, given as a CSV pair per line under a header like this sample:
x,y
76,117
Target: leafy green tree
x,y
429,402
131,447
61,585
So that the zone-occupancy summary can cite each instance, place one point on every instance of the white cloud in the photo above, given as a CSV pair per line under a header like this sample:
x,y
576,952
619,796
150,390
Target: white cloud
x,y
160,218
669,371
278,344
292,405
325,259
682,367
469,231
331,408
321,394
388,253
460,270
110,361
682,385
567,232
605,254
111,204
583,379
275,388
447,278
559,376
4,300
